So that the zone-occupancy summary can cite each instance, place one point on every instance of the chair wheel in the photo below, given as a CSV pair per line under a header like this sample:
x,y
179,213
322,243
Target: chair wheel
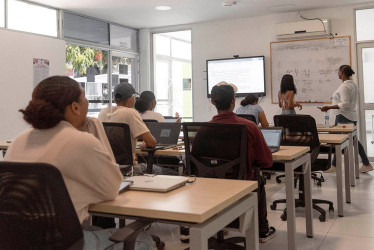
x,y
319,184
273,206
322,218
278,180
284,217
331,208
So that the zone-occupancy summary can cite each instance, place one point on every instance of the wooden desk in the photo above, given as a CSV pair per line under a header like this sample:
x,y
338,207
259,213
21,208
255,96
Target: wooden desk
x,y
340,142
352,150
205,212
293,157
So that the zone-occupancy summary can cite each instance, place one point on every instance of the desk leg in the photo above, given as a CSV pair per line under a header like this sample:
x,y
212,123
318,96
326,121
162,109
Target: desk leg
x,y
290,205
308,199
339,179
151,155
351,163
347,160
251,234
357,166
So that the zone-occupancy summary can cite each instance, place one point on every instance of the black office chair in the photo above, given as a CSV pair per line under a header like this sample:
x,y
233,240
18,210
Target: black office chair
x,y
301,130
218,151
120,141
36,211
248,117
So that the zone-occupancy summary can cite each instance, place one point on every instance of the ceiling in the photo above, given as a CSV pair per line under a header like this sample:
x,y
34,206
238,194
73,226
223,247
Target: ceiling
x,y
141,13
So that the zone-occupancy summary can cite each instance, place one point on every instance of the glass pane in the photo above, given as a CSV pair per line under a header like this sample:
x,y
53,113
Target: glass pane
x,y
2,14
162,80
124,38
369,119
162,45
85,29
368,74
180,49
122,70
89,67
181,100
364,24
32,18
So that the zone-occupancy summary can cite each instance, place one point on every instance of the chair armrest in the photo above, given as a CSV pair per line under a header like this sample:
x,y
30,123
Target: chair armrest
x,y
130,231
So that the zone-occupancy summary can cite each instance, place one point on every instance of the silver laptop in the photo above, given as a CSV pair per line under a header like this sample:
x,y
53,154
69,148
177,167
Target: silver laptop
x,y
272,137
166,134
157,183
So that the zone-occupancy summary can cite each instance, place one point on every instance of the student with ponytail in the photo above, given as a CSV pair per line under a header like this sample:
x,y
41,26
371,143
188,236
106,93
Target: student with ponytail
x,y
250,106
145,105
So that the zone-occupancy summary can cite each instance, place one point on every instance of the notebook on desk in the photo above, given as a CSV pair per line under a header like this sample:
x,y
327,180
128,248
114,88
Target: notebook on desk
x,y
272,137
157,183
166,134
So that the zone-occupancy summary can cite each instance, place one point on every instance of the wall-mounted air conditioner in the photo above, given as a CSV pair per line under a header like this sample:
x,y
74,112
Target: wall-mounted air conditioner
x,y
309,28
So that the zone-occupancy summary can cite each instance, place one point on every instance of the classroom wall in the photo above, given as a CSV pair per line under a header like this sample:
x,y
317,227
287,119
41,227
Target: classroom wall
x,y
252,37
16,67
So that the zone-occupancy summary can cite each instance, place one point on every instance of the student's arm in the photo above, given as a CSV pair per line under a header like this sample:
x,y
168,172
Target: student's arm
x,y
326,108
262,119
279,100
262,155
148,139
291,104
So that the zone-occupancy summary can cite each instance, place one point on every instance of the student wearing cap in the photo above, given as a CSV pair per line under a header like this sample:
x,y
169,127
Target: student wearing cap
x,y
124,112
259,155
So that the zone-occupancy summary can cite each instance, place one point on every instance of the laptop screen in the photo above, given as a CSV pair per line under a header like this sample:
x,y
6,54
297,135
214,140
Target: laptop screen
x,y
164,132
272,136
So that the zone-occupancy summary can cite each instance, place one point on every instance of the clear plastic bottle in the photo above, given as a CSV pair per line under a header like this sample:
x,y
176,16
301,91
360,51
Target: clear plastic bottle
x,y
327,120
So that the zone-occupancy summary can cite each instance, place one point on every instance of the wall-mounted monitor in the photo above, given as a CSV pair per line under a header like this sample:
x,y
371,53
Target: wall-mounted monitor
x,y
247,73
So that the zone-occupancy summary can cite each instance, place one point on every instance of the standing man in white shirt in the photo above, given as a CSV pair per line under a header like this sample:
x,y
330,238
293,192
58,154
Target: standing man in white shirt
x,y
344,101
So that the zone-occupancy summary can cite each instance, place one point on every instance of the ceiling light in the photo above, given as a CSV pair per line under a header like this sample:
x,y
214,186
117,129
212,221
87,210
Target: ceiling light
x,y
162,8
229,3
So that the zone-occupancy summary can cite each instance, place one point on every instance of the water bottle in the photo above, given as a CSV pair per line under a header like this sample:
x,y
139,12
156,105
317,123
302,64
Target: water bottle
x,y
327,121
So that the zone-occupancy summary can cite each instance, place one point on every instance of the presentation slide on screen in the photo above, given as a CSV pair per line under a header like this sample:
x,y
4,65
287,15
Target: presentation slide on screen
x,y
246,73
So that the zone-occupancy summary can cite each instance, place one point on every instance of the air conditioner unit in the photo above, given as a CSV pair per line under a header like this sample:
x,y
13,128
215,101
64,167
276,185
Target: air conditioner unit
x,y
309,28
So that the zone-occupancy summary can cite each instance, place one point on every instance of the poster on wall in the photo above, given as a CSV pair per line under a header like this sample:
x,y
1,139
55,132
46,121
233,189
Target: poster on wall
x,y
41,70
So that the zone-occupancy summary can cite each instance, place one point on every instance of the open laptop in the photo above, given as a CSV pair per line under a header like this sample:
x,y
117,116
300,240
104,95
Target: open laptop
x,y
157,183
272,137
166,134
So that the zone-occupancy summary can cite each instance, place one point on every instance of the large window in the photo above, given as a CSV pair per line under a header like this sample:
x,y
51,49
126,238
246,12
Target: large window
x,y
173,74
2,13
32,18
89,67
364,24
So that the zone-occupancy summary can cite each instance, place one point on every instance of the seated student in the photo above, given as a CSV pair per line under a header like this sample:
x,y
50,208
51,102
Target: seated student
x,y
250,106
58,107
145,105
124,112
259,155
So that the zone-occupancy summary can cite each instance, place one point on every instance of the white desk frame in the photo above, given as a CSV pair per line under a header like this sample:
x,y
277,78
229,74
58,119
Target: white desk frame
x,y
290,167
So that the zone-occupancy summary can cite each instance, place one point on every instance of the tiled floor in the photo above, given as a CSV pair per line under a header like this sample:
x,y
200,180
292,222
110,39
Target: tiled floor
x,y
353,231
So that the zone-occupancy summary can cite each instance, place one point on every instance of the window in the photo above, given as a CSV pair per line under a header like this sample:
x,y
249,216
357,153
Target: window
x,y
85,29
32,18
364,24
2,13
89,67
123,38
173,74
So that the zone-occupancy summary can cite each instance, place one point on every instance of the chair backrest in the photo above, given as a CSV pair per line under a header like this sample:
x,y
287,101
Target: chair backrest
x,y
248,117
218,150
35,209
299,130
120,140
149,120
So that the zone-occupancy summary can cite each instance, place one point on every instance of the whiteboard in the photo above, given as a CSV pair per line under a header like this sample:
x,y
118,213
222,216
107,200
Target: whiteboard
x,y
16,84
314,64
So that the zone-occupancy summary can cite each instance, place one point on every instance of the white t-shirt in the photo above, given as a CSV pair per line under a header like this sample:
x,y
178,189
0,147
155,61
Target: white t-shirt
x,y
151,115
346,98
89,173
130,116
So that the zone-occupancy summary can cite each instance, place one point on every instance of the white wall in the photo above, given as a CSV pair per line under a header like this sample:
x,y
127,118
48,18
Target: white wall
x,y
252,37
16,67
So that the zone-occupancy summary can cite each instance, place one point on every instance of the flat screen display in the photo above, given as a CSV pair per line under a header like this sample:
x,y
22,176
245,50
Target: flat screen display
x,y
247,73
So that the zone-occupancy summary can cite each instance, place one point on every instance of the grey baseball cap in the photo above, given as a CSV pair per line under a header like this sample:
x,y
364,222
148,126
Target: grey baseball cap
x,y
123,91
